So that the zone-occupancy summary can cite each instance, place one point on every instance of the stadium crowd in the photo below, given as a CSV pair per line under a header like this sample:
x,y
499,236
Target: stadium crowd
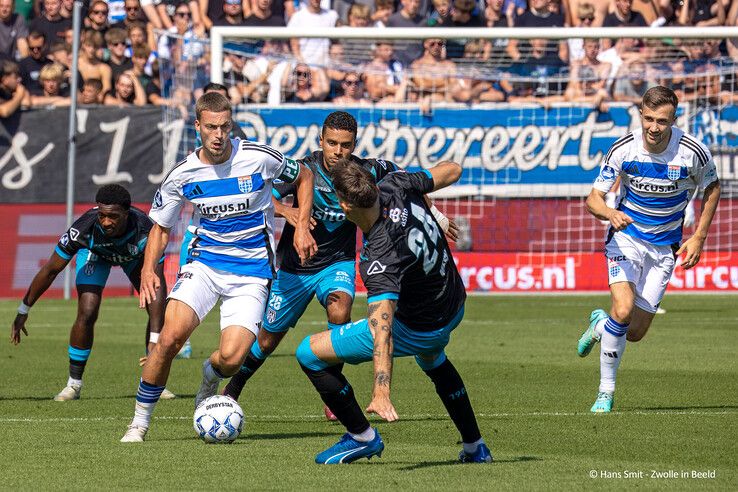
x,y
155,52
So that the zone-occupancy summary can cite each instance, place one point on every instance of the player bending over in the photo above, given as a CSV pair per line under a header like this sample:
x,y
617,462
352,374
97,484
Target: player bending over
x,y
231,258
406,266
660,167
112,233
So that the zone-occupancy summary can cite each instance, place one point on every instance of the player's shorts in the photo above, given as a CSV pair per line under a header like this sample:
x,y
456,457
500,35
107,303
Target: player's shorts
x,y
354,343
243,298
645,265
292,293
92,270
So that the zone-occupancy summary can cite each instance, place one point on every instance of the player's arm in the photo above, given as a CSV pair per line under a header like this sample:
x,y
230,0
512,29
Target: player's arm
x,y
303,242
40,284
597,206
155,246
445,174
289,213
380,317
693,246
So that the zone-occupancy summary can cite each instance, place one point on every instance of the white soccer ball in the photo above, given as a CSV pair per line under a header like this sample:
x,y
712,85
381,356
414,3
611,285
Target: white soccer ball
x,y
218,419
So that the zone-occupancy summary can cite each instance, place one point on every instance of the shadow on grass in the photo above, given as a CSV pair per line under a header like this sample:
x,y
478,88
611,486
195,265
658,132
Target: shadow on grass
x,y
245,438
110,397
685,408
432,464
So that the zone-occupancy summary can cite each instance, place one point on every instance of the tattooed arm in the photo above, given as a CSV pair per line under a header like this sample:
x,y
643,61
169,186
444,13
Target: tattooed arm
x,y
380,317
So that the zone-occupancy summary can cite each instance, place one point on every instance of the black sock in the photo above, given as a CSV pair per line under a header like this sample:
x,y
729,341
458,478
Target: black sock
x,y
76,368
238,380
450,388
337,393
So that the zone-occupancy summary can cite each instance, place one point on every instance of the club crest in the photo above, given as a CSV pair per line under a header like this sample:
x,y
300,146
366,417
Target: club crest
x,y
674,172
245,184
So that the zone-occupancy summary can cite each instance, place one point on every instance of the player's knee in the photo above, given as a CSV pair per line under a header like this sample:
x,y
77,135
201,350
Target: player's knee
x,y
430,362
230,361
621,313
338,307
169,343
267,343
307,358
86,318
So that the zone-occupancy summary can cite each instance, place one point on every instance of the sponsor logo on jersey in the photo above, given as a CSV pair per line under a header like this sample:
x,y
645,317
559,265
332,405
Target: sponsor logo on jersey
x,y
132,248
73,234
674,172
157,199
291,170
64,240
324,189
245,184
213,211
375,268
653,188
328,215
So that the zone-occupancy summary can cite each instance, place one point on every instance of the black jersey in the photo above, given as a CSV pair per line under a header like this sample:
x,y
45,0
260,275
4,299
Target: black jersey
x,y
335,236
406,256
86,233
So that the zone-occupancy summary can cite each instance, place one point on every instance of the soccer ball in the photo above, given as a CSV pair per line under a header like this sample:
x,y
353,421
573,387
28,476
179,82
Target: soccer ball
x,y
218,419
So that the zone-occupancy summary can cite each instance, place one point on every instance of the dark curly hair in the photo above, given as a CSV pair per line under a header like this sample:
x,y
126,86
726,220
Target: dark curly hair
x,y
340,120
114,194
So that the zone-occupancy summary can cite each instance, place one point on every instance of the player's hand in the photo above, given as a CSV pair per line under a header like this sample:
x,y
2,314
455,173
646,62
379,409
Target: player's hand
x,y
19,325
692,249
619,220
382,406
452,234
142,360
291,215
149,285
304,244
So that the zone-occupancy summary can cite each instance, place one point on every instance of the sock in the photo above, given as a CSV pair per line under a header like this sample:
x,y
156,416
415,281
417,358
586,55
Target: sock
x,y
77,362
366,436
612,346
252,364
146,398
211,374
471,447
450,387
73,382
600,327
338,395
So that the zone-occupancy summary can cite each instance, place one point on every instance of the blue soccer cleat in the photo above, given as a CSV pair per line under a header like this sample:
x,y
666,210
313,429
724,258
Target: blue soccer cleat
x,y
589,338
348,450
481,455
185,352
603,403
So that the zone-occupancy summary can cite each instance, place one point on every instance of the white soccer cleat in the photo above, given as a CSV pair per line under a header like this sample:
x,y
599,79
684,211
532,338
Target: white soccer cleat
x,y
167,395
134,433
69,393
207,388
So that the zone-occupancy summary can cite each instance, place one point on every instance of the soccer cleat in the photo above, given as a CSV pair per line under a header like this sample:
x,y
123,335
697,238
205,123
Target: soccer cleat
x,y
603,403
348,450
329,415
207,388
167,395
481,455
134,433
185,352
69,393
589,338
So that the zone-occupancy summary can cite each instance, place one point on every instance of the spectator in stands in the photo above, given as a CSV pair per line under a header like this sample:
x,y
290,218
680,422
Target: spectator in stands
x,y
90,66
263,14
601,9
140,60
359,15
342,8
265,71
51,23
153,90
588,77
495,50
24,8
140,34
312,51
127,92
632,83
13,32
150,9
433,76
477,87
12,93
134,14
115,39
441,14
30,66
211,12
384,74
698,12
304,84
338,68
622,15
462,15
186,46
91,92
383,10
408,16
67,9
585,18
232,14
97,17
732,21
539,15
540,76
61,53
233,77
353,91
52,78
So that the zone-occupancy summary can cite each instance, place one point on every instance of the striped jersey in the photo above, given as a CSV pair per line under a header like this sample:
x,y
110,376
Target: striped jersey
x,y
656,188
234,215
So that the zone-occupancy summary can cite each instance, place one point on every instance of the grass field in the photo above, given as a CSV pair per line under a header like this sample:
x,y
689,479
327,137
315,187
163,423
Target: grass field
x,y
676,407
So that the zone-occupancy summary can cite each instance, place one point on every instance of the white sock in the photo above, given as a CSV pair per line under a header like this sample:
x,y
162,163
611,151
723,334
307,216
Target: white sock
x,y
600,328
611,353
210,373
471,448
365,436
74,382
142,414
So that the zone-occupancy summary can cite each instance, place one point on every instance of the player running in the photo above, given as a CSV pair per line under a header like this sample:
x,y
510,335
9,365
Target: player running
x,y
406,265
111,234
229,183
330,274
661,168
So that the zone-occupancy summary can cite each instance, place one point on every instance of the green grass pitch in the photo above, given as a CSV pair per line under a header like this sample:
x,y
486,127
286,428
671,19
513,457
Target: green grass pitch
x,y
676,407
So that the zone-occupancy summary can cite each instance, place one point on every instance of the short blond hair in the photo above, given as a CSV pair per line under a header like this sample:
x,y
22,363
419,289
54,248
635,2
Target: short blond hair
x,y
52,71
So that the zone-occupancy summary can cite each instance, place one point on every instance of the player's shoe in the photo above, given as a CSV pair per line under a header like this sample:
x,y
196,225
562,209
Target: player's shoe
x,y
603,403
185,352
134,433
660,310
207,388
69,393
589,338
348,450
481,455
328,414
167,395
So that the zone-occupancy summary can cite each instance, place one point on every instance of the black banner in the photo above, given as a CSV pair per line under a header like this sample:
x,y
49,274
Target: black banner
x,y
114,145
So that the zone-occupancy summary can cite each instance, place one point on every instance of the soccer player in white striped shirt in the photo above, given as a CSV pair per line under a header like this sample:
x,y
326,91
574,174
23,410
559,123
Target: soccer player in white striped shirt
x,y
661,167
231,258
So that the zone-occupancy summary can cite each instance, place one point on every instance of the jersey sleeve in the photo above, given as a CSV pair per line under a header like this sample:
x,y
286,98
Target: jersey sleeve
x,y
282,189
382,168
705,171
168,201
421,181
609,170
73,239
382,279
277,166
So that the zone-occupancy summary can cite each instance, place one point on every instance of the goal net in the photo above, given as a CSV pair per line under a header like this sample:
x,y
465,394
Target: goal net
x,y
529,127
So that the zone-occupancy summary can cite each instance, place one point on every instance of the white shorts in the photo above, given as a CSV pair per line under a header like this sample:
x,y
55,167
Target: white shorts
x,y
244,298
647,266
